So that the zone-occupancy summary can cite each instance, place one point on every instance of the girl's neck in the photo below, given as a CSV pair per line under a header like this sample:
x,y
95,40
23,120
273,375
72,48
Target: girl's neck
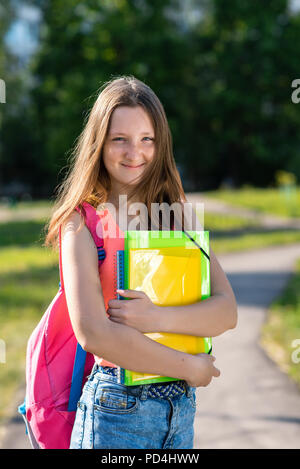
x,y
119,200
121,209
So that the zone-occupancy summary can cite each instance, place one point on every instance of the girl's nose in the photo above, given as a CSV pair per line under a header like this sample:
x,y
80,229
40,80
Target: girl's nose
x,y
132,151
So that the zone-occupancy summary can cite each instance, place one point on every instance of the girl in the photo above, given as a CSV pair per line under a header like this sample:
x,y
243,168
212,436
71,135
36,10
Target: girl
x,y
125,150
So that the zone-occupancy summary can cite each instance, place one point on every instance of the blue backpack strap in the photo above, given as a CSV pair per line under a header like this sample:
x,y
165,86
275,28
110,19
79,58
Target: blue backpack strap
x,y
22,411
77,378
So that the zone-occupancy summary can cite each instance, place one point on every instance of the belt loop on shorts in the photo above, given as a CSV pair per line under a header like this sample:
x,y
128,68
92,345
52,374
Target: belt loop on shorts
x,y
93,371
188,390
144,391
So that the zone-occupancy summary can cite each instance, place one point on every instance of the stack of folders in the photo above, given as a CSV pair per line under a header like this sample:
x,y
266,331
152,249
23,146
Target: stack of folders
x,y
172,268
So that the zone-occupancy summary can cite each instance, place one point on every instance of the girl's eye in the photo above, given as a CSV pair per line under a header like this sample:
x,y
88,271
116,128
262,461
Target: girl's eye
x,y
122,138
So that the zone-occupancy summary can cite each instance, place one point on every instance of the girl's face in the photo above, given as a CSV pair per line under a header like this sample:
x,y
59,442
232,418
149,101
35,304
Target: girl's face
x,y
129,146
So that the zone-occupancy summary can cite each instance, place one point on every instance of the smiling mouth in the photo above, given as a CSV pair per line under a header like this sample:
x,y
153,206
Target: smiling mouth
x,y
133,167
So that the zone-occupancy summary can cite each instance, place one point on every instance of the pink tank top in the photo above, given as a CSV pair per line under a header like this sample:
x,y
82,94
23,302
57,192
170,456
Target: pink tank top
x,y
113,239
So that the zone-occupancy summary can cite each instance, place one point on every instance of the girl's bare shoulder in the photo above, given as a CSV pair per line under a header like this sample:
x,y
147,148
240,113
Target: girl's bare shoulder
x,y
77,242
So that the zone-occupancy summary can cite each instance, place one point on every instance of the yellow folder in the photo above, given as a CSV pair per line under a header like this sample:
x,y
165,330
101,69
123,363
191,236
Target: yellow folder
x,y
173,275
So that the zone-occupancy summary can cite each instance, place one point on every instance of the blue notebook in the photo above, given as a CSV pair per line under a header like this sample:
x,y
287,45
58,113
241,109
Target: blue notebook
x,y
120,285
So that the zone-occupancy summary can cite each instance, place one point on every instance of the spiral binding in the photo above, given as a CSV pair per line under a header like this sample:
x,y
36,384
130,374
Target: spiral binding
x,y
115,267
118,266
120,271
119,276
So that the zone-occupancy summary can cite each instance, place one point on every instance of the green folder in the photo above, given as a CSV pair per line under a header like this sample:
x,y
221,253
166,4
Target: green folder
x,y
172,268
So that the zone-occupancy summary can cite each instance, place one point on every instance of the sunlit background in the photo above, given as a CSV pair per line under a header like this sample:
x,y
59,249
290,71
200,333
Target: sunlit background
x,y
223,71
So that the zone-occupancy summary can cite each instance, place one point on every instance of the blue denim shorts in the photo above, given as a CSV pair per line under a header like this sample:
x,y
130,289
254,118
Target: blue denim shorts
x,y
115,416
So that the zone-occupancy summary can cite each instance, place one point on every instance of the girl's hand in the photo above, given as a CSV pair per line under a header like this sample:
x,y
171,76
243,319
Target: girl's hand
x,y
202,370
139,312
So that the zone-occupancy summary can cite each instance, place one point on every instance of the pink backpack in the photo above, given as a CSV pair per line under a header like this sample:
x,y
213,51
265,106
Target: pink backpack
x,y
56,365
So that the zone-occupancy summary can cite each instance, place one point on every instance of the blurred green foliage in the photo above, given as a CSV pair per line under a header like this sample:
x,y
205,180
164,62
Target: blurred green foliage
x,y
222,69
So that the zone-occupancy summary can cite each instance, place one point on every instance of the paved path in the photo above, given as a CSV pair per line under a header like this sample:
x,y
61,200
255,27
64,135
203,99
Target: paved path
x,y
252,404
265,220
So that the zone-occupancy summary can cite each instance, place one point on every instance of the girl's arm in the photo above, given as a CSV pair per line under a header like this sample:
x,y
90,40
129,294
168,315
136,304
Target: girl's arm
x,y
118,343
207,318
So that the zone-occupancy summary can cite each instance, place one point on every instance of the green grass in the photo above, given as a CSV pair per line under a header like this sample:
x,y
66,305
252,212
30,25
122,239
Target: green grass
x,y
217,222
22,233
271,201
29,277
283,328
46,203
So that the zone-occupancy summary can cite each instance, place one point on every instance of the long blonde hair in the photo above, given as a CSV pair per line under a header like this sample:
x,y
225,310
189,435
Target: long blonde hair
x,y
87,178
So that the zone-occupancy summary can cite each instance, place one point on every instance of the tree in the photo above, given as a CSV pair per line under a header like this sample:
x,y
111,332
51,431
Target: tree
x,y
102,40
6,17
17,137
222,69
246,60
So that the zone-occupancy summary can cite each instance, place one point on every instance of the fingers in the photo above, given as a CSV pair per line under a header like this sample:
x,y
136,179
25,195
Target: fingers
x,y
115,303
131,293
116,320
211,357
216,371
114,313
138,294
